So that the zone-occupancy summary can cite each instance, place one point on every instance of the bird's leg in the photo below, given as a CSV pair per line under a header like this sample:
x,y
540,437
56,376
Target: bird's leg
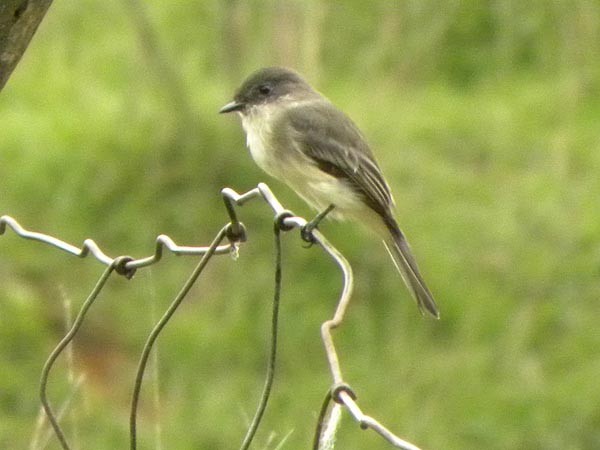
x,y
306,231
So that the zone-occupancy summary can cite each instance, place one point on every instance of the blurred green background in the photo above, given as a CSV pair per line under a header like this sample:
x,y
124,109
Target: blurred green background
x,y
484,116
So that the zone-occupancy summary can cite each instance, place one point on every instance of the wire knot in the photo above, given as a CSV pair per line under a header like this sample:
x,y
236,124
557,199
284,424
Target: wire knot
x,y
236,232
120,264
338,388
280,221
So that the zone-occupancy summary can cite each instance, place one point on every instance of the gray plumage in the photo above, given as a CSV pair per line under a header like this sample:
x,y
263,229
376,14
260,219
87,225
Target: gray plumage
x,y
296,135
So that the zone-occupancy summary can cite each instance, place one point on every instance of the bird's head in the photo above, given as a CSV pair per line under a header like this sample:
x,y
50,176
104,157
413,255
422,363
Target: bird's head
x,y
268,85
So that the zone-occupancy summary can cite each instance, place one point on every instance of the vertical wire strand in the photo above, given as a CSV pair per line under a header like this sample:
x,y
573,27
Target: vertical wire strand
x,y
59,349
159,327
321,421
273,351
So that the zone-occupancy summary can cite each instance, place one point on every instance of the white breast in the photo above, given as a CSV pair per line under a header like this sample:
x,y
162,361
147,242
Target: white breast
x,y
257,125
317,188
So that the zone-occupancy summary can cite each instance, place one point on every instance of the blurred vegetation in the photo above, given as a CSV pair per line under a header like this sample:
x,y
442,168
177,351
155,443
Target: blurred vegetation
x,y
484,116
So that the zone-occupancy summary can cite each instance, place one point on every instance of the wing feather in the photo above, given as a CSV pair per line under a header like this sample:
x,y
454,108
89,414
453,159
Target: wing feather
x,y
329,138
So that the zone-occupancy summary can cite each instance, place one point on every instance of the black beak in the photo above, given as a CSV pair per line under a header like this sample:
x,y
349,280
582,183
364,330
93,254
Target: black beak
x,y
231,107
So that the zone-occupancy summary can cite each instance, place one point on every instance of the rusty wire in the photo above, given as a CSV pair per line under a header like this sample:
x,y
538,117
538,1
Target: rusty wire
x,y
340,392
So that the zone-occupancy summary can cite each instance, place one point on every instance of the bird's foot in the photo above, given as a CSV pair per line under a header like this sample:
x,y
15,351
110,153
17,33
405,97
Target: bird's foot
x,y
306,232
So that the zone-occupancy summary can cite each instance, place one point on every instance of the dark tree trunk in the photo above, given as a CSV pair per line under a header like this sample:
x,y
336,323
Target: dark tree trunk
x,y
18,21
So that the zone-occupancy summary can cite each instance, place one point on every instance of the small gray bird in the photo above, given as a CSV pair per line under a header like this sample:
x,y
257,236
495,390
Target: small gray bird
x,y
297,136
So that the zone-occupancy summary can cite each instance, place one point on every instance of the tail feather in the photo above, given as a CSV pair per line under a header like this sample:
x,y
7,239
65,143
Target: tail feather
x,y
404,261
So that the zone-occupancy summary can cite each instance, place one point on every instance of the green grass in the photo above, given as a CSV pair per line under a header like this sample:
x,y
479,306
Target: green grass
x,y
494,165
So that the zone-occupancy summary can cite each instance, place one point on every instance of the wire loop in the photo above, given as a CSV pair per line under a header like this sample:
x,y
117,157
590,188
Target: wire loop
x,y
338,388
121,267
280,220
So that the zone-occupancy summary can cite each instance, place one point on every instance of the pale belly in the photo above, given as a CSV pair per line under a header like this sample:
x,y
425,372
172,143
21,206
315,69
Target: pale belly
x,y
316,187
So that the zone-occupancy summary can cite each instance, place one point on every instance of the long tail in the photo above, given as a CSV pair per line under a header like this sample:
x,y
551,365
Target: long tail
x,y
404,261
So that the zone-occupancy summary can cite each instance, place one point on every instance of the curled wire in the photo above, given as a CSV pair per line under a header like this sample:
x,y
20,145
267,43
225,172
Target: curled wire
x,y
235,232
62,345
89,247
159,327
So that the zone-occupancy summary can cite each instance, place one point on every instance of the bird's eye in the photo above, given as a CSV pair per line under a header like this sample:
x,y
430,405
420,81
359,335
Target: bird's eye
x,y
265,89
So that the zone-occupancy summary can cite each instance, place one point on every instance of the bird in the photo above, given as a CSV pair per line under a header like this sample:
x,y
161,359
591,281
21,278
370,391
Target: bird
x,y
296,135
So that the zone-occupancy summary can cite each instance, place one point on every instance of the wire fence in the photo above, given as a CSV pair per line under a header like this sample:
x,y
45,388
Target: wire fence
x,y
227,241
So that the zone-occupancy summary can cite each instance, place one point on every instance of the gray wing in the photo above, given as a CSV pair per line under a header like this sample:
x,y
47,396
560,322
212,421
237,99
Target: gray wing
x,y
329,138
